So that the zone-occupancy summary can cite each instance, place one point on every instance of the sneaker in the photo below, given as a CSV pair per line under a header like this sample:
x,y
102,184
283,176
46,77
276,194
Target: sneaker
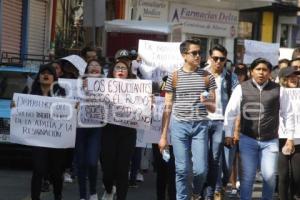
x,y
237,185
107,196
196,197
133,184
140,177
114,190
219,195
233,192
67,178
93,197
258,177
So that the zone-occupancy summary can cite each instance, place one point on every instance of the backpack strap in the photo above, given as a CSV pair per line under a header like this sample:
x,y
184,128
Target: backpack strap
x,y
175,79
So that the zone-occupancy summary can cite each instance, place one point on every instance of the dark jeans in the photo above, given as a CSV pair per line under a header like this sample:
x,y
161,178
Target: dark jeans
x,y
165,174
215,149
87,151
289,174
47,160
135,163
117,147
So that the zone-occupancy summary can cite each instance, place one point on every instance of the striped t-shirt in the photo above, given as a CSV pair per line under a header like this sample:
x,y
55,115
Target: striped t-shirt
x,y
186,103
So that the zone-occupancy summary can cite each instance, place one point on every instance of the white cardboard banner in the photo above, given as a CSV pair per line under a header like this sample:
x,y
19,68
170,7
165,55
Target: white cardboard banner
x,y
43,121
90,111
125,102
286,53
140,141
159,59
255,49
73,87
294,97
153,134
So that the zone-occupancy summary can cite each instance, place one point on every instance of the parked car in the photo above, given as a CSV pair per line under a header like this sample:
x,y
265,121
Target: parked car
x,y
12,80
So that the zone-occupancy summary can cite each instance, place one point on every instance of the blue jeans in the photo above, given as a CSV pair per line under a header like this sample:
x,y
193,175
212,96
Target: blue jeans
x,y
189,140
253,154
216,139
87,150
226,163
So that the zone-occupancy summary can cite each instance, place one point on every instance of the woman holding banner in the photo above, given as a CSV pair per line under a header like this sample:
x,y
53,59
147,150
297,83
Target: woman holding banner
x,y
118,143
289,156
47,159
87,147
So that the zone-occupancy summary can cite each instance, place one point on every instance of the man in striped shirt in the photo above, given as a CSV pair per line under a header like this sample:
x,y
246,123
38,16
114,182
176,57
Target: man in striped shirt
x,y
186,101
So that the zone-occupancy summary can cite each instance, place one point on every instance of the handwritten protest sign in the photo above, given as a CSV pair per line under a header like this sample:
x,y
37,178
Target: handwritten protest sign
x,y
140,141
285,53
123,102
91,112
159,59
294,97
153,134
43,121
73,87
256,49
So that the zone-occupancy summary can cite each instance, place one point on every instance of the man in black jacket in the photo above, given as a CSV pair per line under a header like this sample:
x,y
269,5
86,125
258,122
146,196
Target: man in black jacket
x,y
259,102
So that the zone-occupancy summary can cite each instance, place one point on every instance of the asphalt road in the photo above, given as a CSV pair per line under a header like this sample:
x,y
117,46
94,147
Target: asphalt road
x,y
15,185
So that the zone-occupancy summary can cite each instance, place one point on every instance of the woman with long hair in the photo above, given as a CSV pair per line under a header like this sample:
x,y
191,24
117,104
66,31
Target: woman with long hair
x,y
117,147
87,147
47,160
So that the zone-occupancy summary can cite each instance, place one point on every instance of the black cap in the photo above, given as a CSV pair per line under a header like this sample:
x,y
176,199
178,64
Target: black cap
x,y
49,68
285,72
122,53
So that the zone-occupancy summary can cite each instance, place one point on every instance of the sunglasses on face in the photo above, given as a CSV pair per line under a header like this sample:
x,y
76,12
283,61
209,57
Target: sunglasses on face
x,y
120,68
216,58
194,53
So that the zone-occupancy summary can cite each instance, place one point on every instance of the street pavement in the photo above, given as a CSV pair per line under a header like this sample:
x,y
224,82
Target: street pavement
x,y
15,185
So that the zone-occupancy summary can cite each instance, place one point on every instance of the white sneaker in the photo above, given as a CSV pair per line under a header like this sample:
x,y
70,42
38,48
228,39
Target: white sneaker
x,y
107,196
67,178
114,190
237,185
258,177
93,197
140,177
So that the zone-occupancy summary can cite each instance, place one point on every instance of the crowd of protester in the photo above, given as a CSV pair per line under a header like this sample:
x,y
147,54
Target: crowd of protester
x,y
215,139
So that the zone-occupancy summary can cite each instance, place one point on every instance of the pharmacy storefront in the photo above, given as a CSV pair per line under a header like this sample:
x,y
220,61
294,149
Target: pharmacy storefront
x,y
210,26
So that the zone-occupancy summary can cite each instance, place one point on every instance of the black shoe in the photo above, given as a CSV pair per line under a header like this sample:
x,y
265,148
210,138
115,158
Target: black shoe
x,y
133,184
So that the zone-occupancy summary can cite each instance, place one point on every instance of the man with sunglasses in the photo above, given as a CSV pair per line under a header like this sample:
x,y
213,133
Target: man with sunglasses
x,y
185,100
295,64
226,82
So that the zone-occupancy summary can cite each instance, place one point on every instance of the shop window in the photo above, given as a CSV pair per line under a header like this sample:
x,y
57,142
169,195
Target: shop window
x,y
207,43
296,36
284,35
245,30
